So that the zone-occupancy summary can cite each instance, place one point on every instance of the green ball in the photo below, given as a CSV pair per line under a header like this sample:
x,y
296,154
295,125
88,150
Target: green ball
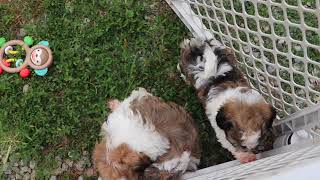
x,y
28,40
2,41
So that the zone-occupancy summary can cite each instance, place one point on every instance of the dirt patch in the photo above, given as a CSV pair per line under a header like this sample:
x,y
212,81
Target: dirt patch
x,y
21,12
48,148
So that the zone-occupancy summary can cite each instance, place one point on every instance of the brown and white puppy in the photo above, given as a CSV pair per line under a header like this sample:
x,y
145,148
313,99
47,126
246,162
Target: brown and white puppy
x,y
146,138
240,116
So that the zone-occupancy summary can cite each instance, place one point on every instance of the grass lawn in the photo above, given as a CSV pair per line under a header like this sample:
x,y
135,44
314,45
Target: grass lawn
x,y
105,49
102,50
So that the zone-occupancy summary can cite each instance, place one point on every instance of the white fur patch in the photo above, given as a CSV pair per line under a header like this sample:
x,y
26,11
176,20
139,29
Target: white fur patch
x,y
123,126
181,75
185,44
217,100
223,68
211,62
251,140
193,164
179,164
196,42
207,68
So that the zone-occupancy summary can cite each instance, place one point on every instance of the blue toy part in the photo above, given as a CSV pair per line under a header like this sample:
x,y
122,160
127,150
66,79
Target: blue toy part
x,y
44,43
41,72
19,62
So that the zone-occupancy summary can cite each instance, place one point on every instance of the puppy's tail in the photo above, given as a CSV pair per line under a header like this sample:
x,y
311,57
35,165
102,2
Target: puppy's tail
x,y
202,61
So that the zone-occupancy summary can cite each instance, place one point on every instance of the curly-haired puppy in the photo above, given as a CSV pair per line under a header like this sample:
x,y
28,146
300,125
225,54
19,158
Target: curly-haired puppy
x,y
240,116
146,138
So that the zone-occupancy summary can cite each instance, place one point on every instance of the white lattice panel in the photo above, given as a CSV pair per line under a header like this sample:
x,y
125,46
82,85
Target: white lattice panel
x,y
276,41
279,165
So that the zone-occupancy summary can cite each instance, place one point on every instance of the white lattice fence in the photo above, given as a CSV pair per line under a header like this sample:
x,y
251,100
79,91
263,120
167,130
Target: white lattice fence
x,y
276,41
284,166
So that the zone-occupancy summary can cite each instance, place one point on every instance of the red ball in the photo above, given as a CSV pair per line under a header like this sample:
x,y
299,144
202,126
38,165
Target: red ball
x,y
24,73
6,63
1,70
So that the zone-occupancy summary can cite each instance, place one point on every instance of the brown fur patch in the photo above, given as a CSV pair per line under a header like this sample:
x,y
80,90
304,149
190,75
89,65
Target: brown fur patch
x,y
184,64
248,118
239,116
119,162
172,122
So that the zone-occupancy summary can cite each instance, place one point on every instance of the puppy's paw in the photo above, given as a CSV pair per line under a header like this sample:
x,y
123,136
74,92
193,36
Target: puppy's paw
x,y
245,157
113,104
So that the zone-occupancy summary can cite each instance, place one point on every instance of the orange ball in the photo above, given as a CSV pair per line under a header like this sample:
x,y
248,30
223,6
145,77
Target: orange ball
x,y
24,73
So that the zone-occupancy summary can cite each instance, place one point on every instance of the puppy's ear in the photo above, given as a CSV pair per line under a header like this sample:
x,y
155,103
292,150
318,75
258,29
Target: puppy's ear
x,y
222,121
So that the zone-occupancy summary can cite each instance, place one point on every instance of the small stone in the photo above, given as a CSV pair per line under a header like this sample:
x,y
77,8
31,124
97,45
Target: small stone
x,y
53,178
102,13
8,171
22,32
69,162
64,167
15,164
146,17
86,20
32,164
58,158
13,159
80,165
33,175
24,169
22,163
90,172
26,176
16,169
11,176
85,158
6,167
88,164
80,178
85,153
58,171
18,176
25,88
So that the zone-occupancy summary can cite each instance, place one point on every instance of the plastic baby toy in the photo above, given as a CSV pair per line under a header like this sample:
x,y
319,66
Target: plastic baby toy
x,y
16,56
